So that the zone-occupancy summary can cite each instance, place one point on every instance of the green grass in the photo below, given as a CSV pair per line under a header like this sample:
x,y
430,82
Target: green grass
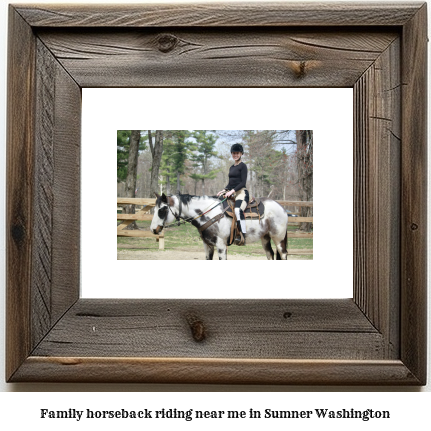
x,y
187,237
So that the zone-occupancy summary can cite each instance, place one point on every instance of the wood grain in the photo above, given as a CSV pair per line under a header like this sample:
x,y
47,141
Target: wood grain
x,y
377,182
414,195
214,14
235,329
57,189
215,371
228,58
44,193
67,197
20,194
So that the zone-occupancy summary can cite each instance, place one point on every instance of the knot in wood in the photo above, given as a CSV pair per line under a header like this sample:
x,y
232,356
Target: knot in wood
x,y
414,226
167,42
299,68
18,233
197,328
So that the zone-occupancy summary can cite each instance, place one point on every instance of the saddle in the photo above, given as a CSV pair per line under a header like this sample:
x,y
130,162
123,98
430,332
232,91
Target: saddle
x,y
254,209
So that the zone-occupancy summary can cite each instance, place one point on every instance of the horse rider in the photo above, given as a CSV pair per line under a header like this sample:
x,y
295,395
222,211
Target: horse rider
x,y
237,188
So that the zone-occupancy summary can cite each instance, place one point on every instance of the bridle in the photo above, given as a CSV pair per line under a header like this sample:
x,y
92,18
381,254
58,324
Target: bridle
x,y
178,216
180,209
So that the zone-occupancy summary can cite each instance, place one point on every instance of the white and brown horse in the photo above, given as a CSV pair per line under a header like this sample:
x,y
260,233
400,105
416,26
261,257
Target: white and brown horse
x,y
272,226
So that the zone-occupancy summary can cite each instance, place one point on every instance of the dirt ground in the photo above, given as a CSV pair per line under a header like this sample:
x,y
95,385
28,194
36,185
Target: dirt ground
x,y
189,254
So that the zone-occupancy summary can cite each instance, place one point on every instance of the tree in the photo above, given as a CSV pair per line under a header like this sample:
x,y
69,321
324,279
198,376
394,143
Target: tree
x,y
123,152
177,150
167,161
205,150
304,139
123,137
132,168
156,153
263,160
129,143
284,173
182,151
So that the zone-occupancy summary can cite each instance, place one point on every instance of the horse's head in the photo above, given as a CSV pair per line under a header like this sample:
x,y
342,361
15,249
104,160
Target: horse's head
x,y
162,213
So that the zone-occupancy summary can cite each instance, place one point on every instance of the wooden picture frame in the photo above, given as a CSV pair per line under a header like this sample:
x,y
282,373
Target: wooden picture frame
x,y
378,337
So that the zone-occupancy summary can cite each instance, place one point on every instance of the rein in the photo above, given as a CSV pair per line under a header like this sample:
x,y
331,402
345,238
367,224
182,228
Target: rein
x,y
190,220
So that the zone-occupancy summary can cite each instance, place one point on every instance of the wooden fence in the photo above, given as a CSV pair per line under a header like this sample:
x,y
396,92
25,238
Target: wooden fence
x,y
298,220
142,214
148,205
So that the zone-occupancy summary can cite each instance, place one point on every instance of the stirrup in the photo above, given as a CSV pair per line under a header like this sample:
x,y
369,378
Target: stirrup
x,y
239,240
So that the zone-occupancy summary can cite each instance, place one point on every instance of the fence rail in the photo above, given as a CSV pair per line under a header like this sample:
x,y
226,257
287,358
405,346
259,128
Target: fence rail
x,y
148,204
296,203
142,214
297,220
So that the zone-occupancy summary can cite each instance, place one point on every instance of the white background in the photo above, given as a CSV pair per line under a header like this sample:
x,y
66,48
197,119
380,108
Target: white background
x,y
328,112
16,409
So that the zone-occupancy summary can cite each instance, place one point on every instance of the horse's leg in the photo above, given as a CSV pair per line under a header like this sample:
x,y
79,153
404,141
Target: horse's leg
x,y
281,248
266,244
222,253
209,251
221,249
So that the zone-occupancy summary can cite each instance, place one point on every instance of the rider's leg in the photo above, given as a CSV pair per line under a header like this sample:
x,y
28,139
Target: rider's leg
x,y
241,201
240,219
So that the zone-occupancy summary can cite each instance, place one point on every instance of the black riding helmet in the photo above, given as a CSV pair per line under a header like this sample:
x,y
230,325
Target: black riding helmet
x,y
237,147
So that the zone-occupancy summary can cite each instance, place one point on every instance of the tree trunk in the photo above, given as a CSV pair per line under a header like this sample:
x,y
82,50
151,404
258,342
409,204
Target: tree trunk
x,y
304,139
131,172
156,152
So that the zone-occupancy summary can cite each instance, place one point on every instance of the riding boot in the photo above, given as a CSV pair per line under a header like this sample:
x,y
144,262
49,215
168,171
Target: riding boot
x,y
239,239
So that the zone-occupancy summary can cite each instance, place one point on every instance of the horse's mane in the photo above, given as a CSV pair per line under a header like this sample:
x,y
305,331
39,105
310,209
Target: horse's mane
x,y
186,198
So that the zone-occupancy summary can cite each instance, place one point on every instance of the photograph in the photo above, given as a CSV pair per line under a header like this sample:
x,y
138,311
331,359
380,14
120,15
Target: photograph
x,y
214,194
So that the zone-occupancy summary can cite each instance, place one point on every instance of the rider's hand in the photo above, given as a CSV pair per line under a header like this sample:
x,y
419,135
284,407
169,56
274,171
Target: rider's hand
x,y
220,193
230,193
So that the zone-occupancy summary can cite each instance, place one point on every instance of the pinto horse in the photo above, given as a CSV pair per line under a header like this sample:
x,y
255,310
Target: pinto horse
x,y
273,225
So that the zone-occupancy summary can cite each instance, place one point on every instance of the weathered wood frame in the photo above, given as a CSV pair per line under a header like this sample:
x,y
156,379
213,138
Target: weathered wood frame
x,y
378,337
